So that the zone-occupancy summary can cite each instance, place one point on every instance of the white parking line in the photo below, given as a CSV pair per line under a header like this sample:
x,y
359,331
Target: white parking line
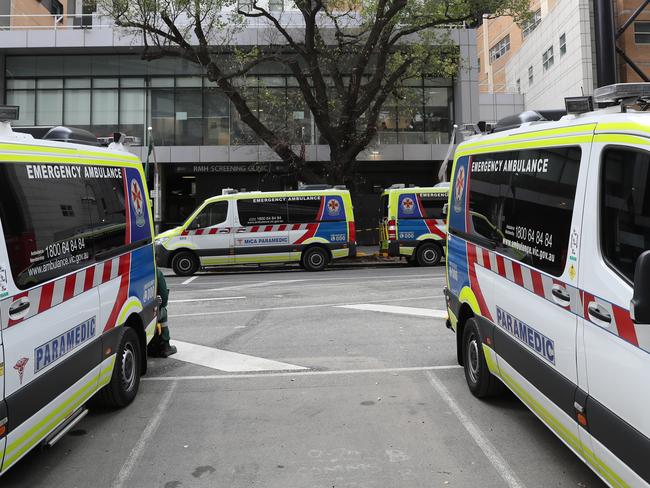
x,y
253,285
340,278
418,312
136,453
189,280
495,458
297,307
211,357
302,373
206,299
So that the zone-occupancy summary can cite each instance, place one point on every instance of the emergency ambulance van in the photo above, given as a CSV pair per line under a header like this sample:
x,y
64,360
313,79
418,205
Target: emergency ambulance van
x,y
311,227
77,282
550,294
412,223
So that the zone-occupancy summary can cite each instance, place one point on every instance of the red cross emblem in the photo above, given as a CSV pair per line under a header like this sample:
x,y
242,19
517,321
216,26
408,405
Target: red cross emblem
x,y
136,196
407,203
333,205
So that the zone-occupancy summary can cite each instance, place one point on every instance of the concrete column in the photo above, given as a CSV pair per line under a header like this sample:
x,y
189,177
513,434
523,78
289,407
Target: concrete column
x,y
466,104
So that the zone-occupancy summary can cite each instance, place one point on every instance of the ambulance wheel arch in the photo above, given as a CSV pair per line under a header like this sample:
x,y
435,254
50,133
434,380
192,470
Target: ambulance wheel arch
x,y
315,257
184,262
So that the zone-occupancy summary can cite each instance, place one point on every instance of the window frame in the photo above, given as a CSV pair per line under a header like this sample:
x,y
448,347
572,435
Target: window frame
x,y
562,44
547,59
529,26
601,201
645,34
500,48
531,76
190,227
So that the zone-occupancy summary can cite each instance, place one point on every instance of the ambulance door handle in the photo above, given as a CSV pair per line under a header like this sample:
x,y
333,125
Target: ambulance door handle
x,y
561,294
241,229
599,313
19,308
224,231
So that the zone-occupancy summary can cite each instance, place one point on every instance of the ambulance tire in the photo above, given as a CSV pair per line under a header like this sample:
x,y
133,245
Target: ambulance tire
x,y
428,254
125,381
480,381
315,259
185,263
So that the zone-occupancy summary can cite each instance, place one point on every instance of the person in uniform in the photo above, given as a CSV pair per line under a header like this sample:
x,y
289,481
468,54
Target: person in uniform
x,y
159,345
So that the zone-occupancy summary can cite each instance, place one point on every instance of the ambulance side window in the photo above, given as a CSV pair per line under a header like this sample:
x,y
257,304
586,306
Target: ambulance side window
x,y
522,203
213,214
260,211
303,210
108,215
45,220
625,208
432,205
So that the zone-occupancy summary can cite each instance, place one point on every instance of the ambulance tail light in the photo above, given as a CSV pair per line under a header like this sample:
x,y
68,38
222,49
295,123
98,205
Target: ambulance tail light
x,y
352,231
392,230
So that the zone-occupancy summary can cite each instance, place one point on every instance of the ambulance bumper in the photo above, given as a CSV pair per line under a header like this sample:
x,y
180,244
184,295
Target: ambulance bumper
x,y
162,256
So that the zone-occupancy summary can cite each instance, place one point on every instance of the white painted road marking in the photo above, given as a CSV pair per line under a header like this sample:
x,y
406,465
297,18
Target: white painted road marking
x,y
136,453
211,357
497,460
297,307
303,373
418,312
340,278
253,285
206,299
189,280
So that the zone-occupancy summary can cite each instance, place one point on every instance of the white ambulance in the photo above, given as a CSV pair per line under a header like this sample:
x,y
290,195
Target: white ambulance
x,y
77,282
310,226
548,273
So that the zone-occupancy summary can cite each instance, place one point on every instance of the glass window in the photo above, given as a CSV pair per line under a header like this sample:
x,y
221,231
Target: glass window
x,y
530,25
547,59
500,49
77,83
240,133
303,210
189,117
26,100
42,242
21,84
107,213
261,211
49,107
411,116
132,83
432,203
530,75
521,203
104,115
387,122
162,116
299,117
437,115
213,214
518,85
133,108
105,83
562,45
216,121
642,32
76,108
625,202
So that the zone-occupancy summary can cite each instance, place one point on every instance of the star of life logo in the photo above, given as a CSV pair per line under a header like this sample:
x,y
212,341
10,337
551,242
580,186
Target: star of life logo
x,y
137,199
408,205
20,367
333,207
460,188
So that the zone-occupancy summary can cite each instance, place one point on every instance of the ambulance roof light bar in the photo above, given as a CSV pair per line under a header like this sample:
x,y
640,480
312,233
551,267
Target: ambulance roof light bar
x,y
625,94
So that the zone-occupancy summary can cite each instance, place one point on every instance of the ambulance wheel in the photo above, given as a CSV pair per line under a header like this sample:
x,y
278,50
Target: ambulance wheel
x,y
480,381
125,381
185,263
429,254
315,259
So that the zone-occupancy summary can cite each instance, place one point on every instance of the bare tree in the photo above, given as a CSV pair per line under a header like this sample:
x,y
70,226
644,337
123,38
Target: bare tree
x,y
347,58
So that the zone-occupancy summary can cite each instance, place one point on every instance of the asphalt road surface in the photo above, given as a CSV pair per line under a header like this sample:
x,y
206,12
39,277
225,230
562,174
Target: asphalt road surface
x,y
345,378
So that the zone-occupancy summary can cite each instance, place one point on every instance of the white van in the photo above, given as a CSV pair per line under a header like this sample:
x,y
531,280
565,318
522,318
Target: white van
x,y
548,274
77,282
309,226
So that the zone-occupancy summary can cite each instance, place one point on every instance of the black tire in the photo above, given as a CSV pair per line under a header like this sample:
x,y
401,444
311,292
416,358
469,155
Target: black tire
x,y
428,254
185,263
480,381
315,259
125,381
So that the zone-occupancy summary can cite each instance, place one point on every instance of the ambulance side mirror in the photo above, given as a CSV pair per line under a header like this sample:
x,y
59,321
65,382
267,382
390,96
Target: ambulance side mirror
x,y
445,209
640,304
